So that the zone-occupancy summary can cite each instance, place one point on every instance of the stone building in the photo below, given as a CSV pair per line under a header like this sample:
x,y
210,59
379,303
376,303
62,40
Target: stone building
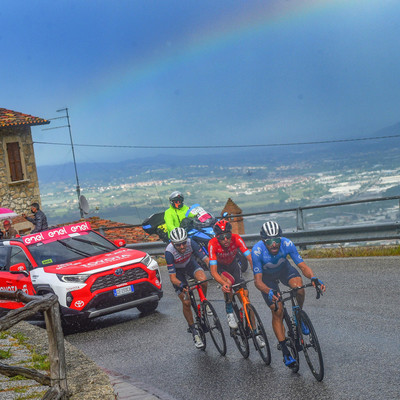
x,y
237,222
19,185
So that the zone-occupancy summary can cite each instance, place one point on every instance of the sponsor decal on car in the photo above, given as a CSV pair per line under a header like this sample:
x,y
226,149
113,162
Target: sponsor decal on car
x,y
55,234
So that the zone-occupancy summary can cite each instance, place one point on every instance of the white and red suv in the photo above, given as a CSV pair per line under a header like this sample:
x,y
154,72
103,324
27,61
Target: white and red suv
x,y
90,275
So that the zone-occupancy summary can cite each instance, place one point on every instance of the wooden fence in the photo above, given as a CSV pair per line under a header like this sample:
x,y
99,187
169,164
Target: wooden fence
x,y
48,304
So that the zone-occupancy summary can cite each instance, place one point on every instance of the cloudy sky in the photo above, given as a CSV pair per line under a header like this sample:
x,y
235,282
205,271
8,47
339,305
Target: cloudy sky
x,y
199,73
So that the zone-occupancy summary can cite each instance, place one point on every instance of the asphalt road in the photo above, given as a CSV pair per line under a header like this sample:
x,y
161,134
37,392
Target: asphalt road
x,y
357,322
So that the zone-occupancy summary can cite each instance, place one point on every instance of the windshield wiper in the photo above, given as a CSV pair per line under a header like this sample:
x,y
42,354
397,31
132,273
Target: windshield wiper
x,y
93,243
77,251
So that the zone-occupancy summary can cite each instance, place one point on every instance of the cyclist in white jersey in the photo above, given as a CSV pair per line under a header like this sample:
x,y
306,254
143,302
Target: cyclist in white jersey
x,y
181,263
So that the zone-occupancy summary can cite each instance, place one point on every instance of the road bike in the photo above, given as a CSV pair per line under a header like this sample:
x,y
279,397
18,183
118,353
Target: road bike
x,y
206,318
249,324
296,340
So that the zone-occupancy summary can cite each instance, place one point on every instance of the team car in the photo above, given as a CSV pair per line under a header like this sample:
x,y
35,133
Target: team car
x,y
90,275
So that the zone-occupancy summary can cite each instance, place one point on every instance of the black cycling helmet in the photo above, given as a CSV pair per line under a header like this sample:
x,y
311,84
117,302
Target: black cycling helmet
x,y
176,199
270,229
222,226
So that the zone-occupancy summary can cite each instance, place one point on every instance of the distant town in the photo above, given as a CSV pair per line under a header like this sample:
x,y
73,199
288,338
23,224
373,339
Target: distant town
x,y
254,188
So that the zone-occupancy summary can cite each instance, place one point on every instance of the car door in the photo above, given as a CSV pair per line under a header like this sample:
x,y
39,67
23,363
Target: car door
x,y
11,282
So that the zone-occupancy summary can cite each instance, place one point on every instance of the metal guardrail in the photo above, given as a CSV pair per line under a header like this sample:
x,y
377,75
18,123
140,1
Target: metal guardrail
x,y
361,233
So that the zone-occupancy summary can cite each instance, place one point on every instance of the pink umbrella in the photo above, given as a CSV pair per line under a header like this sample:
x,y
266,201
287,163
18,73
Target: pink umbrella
x,y
7,213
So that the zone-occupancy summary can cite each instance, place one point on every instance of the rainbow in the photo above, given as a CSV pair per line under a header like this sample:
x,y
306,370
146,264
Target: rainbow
x,y
253,21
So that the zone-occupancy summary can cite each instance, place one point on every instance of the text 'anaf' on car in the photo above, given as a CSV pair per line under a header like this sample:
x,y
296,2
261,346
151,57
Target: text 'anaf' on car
x,y
90,275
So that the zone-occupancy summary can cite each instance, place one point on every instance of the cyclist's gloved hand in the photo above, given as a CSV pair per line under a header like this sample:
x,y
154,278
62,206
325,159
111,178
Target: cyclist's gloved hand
x,y
316,281
271,295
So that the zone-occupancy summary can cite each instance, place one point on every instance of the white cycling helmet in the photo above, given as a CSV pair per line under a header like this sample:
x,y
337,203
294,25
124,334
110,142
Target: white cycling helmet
x,y
270,229
178,235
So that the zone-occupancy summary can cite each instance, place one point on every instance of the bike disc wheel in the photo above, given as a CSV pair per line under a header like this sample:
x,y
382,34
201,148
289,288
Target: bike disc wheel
x,y
290,340
258,330
311,347
239,336
214,327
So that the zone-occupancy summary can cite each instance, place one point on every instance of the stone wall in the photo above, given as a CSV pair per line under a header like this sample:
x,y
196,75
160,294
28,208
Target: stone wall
x,y
18,195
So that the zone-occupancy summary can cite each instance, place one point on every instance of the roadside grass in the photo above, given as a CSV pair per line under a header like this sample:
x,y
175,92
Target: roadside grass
x,y
356,251
4,354
338,252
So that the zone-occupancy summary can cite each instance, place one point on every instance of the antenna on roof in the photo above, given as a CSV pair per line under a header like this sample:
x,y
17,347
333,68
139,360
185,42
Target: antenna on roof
x,y
78,189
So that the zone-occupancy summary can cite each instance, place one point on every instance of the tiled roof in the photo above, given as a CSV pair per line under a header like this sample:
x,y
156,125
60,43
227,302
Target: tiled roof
x,y
131,234
14,118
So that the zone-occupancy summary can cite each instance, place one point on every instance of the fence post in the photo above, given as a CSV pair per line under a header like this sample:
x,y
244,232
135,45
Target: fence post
x,y
299,219
58,374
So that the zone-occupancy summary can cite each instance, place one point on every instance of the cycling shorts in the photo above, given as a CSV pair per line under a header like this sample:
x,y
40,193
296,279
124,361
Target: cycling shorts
x,y
233,268
182,273
284,275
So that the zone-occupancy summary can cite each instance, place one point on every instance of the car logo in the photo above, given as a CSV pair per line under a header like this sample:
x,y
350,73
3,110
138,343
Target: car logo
x,y
119,271
79,303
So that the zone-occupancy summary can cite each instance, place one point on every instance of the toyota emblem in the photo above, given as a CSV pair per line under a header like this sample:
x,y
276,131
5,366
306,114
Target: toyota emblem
x,y
79,303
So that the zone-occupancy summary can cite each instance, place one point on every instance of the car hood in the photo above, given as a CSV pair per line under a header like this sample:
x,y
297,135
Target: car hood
x,y
115,259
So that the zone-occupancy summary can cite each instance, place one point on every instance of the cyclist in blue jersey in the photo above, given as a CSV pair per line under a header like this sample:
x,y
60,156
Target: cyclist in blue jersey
x,y
270,266
181,263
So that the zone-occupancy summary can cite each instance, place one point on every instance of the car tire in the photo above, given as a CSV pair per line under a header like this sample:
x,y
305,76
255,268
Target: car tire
x,y
148,308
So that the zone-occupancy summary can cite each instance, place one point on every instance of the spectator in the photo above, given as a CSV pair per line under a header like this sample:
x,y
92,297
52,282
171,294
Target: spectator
x,y
39,218
9,231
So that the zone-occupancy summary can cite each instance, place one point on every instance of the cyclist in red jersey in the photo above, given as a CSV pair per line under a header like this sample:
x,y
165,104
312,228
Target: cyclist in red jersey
x,y
224,267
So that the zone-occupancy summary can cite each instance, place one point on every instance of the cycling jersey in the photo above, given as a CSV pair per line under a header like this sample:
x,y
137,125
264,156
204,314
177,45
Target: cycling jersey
x,y
225,256
174,216
265,262
176,260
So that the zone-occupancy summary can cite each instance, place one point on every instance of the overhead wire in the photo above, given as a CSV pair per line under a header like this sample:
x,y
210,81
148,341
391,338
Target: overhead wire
x,y
221,146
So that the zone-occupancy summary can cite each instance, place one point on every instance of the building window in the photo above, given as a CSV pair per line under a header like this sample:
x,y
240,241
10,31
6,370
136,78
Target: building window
x,y
14,161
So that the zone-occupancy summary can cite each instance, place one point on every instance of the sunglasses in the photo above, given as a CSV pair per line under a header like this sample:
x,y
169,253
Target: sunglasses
x,y
270,242
183,244
223,236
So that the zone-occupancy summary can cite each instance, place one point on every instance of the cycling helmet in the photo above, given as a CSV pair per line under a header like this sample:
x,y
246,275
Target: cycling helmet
x,y
270,229
178,235
222,226
176,197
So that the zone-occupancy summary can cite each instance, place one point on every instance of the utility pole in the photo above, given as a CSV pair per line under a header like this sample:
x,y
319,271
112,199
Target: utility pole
x,y
78,188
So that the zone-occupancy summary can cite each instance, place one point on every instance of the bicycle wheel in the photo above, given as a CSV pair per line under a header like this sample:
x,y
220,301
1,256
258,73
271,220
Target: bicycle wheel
x,y
311,347
239,335
259,331
214,327
291,340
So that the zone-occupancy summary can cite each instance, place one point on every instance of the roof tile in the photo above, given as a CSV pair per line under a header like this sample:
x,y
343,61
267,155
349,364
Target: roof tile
x,y
14,118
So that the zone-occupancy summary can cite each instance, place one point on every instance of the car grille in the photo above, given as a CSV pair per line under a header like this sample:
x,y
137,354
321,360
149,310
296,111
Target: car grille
x,y
107,281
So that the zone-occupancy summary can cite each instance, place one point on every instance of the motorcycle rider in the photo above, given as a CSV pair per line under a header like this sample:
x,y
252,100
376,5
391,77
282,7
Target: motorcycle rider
x,y
176,212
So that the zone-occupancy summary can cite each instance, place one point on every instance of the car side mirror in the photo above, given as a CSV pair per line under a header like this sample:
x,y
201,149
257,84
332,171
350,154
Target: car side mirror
x,y
120,243
19,268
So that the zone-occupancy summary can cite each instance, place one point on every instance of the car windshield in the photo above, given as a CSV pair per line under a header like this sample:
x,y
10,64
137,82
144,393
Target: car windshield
x,y
70,249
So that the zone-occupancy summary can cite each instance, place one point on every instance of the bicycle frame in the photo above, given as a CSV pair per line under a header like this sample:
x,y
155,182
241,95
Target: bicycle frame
x,y
244,299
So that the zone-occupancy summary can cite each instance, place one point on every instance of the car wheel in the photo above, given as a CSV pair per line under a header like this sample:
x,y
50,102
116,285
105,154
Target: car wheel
x,y
147,308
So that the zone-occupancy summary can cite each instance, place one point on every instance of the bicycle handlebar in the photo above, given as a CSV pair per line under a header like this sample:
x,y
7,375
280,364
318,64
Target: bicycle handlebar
x,y
291,290
242,283
199,283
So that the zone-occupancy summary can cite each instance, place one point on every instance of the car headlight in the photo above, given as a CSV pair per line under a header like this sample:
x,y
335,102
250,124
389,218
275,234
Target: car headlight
x,y
149,262
72,278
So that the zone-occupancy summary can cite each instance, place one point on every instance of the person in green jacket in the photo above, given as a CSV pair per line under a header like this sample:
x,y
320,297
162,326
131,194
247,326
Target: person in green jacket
x,y
176,212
